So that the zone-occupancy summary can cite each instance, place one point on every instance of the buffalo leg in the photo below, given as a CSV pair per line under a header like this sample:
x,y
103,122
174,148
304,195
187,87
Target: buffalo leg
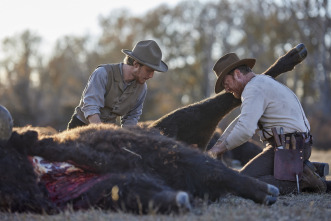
x,y
288,61
246,187
213,179
137,193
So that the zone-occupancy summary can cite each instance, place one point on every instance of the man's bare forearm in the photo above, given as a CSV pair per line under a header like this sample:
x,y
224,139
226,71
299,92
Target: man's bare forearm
x,y
94,119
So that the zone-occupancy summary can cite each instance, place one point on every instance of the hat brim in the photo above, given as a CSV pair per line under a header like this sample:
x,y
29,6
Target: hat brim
x,y
250,62
162,67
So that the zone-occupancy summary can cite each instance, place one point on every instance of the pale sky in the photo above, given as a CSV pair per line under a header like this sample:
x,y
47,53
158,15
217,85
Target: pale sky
x,y
52,19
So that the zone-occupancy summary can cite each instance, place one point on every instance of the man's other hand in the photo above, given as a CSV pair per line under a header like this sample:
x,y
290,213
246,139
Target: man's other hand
x,y
218,149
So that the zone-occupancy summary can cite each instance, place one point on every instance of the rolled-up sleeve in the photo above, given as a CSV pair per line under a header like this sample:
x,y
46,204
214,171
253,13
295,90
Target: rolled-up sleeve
x,y
94,92
228,130
252,108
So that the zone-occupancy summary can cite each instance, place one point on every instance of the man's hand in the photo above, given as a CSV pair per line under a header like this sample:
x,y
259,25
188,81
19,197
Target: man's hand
x,y
94,119
218,149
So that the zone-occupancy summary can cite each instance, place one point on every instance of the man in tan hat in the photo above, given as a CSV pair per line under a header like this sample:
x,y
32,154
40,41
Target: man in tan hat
x,y
119,90
274,111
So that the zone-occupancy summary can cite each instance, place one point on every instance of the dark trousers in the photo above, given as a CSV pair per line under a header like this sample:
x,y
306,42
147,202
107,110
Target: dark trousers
x,y
262,168
75,122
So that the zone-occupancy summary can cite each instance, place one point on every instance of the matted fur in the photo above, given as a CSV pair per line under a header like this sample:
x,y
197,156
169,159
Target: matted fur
x,y
133,159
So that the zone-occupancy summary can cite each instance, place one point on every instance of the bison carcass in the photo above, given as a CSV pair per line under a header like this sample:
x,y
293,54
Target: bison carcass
x,y
131,169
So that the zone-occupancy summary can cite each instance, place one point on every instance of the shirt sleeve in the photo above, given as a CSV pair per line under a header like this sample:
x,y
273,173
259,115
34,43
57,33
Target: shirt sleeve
x,y
252,108
228,130
133,116
94,92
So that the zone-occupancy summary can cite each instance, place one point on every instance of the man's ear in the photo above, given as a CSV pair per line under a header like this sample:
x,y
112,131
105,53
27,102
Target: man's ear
x,y
236,74
135,64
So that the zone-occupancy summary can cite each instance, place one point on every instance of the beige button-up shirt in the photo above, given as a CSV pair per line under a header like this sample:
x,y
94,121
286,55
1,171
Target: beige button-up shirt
x,y
269,102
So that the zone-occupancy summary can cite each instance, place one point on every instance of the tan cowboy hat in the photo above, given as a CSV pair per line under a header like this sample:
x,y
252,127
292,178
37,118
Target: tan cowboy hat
x,y
226,64
148,53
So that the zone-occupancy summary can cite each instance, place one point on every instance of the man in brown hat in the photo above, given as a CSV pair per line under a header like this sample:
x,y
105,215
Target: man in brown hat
x,y
274,111
119,90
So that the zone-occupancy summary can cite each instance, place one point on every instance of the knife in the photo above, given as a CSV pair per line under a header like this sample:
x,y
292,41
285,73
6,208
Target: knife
x,y
282,137
287,142
276,137
293,142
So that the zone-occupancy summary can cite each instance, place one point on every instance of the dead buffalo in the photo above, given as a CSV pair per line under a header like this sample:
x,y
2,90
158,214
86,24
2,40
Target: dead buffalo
x,y
108,167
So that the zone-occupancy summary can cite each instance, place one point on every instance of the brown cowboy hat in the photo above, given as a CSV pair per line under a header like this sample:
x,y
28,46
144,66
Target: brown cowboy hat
x,y
226,64
148,53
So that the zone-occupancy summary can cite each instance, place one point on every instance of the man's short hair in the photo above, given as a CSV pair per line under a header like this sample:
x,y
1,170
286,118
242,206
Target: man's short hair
x,y
129,61
243,69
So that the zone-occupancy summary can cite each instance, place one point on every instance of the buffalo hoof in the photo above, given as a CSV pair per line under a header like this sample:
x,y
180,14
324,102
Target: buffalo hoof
x,y
272,198
6,124
302,51
288,61
183,201
293,57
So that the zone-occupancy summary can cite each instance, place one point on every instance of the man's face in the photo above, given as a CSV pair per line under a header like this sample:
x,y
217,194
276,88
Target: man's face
x,y
234,83
143,73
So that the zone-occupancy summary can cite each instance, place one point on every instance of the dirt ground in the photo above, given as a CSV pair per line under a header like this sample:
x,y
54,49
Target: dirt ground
x,y
305,206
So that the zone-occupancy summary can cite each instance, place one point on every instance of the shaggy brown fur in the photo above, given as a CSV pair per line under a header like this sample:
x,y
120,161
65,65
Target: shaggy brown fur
x,y
143,165
44,131
19,189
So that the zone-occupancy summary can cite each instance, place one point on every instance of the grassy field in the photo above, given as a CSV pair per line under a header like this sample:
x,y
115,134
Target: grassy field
x,y
305,206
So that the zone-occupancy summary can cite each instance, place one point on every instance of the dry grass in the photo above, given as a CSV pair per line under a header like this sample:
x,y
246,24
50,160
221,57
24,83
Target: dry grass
x,y
305,206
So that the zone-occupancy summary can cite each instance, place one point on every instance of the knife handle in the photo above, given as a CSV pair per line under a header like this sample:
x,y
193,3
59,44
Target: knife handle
x,y
276,137
288,141
282,137
293,142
